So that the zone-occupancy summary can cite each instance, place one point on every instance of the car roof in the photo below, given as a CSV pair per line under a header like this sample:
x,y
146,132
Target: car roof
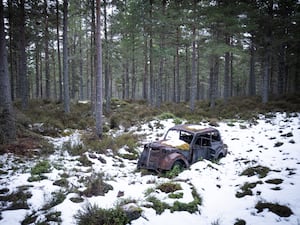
x,y
193,128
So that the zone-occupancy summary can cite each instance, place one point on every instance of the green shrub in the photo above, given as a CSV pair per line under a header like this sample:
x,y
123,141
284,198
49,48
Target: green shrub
x,y
37,171
246,189
29,219
274,181
177,169
54,217
18,198
280,210
169,187
158,205
63,182
92,215
128,140
261,171
177,121
176,195
166,115
84,161
41,167
57,198
190,207
96,186
73,150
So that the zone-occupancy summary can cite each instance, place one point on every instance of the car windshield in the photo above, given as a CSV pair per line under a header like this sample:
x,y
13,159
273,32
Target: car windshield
x,y
178,138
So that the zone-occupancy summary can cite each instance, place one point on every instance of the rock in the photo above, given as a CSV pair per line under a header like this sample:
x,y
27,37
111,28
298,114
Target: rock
x,y
120,194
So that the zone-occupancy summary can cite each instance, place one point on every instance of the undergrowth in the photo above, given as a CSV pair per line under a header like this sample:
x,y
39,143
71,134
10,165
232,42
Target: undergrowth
x,y
92,214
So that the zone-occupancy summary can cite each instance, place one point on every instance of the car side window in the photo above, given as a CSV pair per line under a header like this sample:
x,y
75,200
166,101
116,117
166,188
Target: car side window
x,y
205,142
215,136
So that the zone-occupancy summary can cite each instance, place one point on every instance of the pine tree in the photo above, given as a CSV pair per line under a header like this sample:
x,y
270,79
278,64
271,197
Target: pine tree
x,y
7,124
99,88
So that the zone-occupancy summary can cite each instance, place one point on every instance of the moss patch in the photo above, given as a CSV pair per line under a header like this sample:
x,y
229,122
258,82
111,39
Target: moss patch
x,y
261,171
280,210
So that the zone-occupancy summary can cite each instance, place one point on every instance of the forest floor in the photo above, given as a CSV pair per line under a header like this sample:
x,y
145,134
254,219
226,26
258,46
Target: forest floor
x,y
258,182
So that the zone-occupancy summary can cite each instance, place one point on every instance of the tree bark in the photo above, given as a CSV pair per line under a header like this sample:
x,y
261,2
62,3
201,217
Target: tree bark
x,y
108,78
37,71
145,74
226,72
65,59
22,63
177,80
252,78
187,75
99,88
58,53
266,78
47,69
193,91
151,56
7,123
214,74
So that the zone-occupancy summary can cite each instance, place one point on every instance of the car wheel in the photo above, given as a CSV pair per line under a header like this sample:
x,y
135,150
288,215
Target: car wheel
x,y
178,165
220,156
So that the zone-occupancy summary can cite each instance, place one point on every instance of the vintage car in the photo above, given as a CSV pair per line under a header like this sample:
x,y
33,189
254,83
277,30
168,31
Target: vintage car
x,y
182,145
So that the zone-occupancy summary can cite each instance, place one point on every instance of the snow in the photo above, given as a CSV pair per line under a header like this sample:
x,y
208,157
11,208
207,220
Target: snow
x,y
249,144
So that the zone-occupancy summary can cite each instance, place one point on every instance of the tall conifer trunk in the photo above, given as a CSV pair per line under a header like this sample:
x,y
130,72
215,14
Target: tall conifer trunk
x,y
22,60
65,59
7,124
58,53
99,89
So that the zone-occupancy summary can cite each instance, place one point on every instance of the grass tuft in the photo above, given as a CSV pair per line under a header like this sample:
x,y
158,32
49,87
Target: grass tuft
x,y
261,171
280,210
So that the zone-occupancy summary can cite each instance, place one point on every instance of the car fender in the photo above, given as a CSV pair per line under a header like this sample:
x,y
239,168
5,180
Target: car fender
x,y
167,162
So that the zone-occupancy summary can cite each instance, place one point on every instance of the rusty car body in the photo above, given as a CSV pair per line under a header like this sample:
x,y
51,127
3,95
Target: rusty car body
x,y
182,145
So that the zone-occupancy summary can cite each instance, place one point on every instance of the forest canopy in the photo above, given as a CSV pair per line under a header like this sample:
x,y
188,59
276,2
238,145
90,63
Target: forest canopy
x,y
160,51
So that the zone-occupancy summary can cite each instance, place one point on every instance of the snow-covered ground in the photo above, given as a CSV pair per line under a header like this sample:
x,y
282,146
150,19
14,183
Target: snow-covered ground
x,y
272,142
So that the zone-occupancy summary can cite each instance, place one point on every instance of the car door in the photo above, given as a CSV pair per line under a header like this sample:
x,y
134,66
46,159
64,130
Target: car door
x,y
200,149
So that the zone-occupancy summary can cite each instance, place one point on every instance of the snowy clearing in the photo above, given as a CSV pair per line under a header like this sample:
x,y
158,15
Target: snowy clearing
x,y
271,142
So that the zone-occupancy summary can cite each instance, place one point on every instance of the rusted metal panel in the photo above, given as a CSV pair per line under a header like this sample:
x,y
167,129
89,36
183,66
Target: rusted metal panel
x,y
167,162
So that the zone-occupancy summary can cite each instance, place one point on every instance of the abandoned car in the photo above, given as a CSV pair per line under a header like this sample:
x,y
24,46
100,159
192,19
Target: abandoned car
x,y
182,146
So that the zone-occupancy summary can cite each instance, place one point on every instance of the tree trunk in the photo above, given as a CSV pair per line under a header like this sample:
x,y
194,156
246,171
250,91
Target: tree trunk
x,y
106,64
145,75
282,71
99,101
12,55
266,78
126,79
58,53
81,92
37,71
226,72
193,91
151,58
47,70
252,78
187,75
93,57
7,123
214,73
22,63
65,59
177,80
133,75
